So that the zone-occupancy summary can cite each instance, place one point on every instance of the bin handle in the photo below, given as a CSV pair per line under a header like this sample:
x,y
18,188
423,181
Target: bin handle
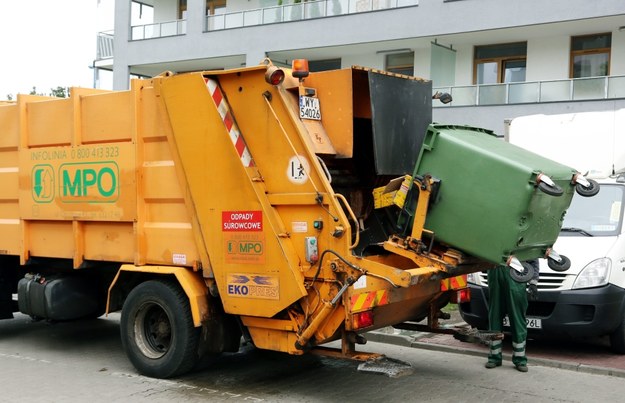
x,y
353,216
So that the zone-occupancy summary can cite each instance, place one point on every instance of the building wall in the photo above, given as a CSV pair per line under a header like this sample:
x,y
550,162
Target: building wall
x,y
548,58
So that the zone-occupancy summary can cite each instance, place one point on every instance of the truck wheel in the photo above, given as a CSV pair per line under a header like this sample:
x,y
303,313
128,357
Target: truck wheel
x,y
617,337
554,190
563,265
589,191
157,330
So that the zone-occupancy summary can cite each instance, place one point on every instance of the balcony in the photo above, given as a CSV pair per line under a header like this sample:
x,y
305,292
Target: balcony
x,y
300,11
577,89
158,30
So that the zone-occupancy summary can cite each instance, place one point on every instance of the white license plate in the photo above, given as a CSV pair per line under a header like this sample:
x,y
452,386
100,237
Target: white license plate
x,y
309,108
532,323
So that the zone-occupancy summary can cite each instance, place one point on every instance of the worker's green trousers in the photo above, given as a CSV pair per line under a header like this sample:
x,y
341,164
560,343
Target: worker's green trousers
x,y
507,297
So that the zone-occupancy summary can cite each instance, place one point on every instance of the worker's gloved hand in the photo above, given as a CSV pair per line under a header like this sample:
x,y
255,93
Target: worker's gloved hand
x,y
532,292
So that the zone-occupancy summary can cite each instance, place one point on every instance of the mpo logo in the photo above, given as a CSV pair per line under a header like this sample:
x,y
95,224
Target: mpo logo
x,y
89,182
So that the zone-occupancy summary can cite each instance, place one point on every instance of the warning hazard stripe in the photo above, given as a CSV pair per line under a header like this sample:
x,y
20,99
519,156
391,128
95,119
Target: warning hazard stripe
x,y
231,126
454,283
368,300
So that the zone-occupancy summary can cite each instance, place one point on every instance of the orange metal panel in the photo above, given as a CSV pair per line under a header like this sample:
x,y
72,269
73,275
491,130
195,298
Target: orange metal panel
x,y
109,241
50,239
107,117
9,136
50,122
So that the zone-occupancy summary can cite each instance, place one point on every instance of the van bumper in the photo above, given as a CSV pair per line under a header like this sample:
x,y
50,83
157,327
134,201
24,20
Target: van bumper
x,y
573,313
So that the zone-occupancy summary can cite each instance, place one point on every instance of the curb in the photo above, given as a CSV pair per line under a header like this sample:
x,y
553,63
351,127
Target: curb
x,y
408,341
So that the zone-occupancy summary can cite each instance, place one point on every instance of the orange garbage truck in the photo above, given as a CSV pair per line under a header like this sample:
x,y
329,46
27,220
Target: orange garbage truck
x,y
272,204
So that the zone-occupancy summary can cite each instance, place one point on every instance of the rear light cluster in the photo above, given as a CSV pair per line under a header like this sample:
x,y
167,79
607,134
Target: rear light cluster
x,y
461,295
362,319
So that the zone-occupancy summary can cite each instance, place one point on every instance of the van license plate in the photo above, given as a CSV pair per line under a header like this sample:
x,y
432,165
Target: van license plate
x,y
532,323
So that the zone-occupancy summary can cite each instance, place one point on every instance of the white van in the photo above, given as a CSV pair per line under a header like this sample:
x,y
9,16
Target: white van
x,y
589,299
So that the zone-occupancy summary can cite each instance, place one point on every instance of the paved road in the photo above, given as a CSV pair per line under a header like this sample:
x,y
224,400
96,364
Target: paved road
x,y
84,361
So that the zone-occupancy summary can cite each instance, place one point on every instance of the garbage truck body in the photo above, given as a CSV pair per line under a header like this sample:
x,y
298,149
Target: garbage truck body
x,y
213,205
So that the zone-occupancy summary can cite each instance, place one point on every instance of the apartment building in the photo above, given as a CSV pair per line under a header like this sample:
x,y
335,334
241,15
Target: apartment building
x,y
498,58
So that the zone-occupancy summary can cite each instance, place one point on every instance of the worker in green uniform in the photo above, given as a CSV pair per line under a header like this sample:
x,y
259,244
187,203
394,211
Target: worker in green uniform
x,y
509,297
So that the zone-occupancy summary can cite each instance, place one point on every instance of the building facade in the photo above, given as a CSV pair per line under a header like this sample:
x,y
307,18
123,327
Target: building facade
x,y
498,58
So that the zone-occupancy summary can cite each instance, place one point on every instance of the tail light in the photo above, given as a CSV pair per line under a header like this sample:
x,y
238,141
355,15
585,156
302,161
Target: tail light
x,y
362,319
274,75
461,295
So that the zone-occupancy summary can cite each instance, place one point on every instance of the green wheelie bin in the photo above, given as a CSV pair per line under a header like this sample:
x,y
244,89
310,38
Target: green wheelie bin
x,y
494,201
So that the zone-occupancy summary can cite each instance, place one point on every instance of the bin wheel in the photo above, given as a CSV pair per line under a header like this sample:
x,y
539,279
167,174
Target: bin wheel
x,y
589,191
554,190
157,330
525,276
563,265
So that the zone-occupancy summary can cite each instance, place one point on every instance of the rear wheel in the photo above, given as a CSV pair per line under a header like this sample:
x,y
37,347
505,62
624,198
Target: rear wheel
x,y
157,330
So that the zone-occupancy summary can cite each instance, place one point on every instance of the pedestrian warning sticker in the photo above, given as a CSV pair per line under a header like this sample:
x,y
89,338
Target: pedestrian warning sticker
x,y
253,286
297,170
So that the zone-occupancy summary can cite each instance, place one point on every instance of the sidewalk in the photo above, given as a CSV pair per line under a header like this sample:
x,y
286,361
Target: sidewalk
x,y
591,356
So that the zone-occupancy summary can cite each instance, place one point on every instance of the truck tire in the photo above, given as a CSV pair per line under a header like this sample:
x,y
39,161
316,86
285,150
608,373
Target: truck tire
x,y
617,337
157,330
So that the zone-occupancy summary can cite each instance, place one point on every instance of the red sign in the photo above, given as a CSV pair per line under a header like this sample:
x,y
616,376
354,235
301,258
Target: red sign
x,y
242,220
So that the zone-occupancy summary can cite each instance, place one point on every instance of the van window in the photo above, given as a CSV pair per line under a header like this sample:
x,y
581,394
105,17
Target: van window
x,y
600,215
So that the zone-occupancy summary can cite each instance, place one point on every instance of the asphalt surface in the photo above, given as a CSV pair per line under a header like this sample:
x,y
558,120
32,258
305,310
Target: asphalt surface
x,y
588,355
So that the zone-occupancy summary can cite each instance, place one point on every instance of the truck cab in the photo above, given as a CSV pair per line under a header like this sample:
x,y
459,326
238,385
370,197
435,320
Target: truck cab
x,y
588,300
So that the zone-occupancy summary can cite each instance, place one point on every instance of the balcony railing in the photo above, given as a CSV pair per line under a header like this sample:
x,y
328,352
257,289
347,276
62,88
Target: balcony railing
x,y
105,45
576,89
158,30
300,11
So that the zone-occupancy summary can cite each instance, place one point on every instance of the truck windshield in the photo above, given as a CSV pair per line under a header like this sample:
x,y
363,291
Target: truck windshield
x,y
600,215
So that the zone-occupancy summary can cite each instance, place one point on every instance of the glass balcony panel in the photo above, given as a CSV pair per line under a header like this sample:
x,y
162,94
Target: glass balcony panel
x,y
589,88
314,9
169,28
519,93
336,7
293,12
215,22
234,20
463,96
555,91
616,87
138,33
272,15
252,17
492,94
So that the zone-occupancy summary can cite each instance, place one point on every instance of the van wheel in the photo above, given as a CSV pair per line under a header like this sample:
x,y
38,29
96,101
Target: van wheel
x,y
157,330
560,266
589,191
617,337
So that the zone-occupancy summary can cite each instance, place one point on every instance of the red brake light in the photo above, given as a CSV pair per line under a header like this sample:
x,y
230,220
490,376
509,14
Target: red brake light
x,y
362,319
461,295
274,75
